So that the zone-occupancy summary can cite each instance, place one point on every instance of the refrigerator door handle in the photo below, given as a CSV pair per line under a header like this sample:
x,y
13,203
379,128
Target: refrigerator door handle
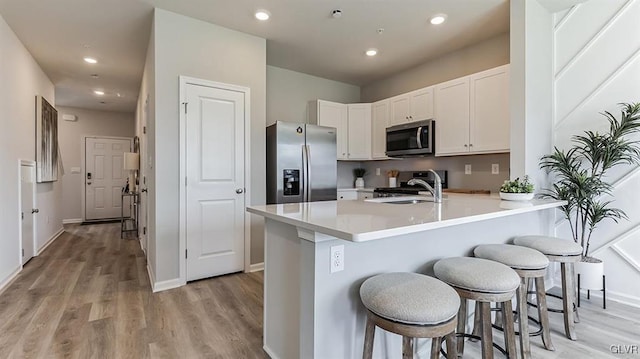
x,y
308,179
305,174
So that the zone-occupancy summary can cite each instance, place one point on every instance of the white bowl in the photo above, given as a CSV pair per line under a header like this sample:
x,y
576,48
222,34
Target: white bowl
x,y
516,196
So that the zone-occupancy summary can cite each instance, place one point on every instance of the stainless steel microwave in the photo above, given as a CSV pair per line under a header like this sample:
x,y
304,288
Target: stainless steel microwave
x,y
411,139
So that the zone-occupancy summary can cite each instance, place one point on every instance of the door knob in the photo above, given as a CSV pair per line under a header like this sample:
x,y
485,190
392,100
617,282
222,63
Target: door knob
x,y
35,210
239,190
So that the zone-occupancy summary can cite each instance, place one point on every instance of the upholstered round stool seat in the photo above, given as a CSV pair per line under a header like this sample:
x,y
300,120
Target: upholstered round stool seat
x,y
550,245
410,298
516,257
476,274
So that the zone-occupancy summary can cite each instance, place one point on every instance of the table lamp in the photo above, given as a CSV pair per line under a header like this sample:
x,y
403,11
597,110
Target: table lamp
x,y
132,164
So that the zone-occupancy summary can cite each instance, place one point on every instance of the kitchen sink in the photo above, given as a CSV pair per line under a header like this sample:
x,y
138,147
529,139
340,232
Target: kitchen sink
x,y
401,199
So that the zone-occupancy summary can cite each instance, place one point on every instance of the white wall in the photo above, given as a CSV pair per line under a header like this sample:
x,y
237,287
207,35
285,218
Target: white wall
x,y
189,47
596,66
484,55
21,79
289,92
89,123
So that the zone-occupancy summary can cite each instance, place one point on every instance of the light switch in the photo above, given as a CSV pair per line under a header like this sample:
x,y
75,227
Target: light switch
x,y
75,170
467,169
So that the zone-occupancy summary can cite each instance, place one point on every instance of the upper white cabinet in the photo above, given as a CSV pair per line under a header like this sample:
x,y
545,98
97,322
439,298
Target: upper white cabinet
x,y
472,113
379,124
413,106
359,129
352,123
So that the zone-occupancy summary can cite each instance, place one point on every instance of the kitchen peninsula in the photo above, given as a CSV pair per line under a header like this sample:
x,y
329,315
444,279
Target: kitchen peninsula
x,y
310,312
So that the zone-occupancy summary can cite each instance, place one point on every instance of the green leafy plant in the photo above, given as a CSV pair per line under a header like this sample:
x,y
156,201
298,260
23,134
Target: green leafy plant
x,y
580,170
517,186
359,172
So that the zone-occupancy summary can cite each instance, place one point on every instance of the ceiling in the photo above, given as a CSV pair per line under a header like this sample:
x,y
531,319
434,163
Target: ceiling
x,y
301,36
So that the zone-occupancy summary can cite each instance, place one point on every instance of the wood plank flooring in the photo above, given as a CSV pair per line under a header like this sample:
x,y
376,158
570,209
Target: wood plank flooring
x,y
88,296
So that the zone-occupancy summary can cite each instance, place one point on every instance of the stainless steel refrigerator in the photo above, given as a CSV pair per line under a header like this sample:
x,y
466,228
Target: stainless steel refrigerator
x,y
301,163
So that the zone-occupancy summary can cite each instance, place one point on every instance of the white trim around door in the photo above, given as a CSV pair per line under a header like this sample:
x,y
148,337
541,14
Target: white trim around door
x,y
184,82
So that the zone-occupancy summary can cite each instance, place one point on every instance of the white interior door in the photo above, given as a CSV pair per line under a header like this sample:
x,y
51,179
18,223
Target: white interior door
x,y
28,209
104,177
215,200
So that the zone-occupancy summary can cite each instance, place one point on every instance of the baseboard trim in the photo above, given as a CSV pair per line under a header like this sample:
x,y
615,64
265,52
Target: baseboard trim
x,y
72,221
10,279
614,296
269,352
53,238
257,267
164,285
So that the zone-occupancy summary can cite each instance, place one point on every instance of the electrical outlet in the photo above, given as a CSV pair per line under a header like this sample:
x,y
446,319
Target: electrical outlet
x,y
377,171
337,258
495,169
467,169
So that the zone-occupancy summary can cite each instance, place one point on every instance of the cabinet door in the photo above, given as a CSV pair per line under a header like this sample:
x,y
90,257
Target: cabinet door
x,y
452,117
379,123
489,126
421,104
334,114
359,141
400,107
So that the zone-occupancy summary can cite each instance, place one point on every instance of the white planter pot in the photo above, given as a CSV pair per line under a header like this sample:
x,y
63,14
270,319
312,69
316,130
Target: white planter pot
x,y
591,273
516,196
359,182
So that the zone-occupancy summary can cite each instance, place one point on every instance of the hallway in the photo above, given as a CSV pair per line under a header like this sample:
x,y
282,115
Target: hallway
x,y
88,296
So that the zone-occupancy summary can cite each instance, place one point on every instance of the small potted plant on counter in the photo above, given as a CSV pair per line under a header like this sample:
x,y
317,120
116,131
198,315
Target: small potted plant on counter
x,y
580,179
517,190
359,173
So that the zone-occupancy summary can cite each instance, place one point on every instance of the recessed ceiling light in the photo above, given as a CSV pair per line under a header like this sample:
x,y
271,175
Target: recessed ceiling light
x,y
371,52
90,60
438,19
262,15
98,92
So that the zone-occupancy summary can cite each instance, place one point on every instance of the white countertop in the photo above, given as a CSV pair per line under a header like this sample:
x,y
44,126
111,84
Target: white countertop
x,y
360,221
365,189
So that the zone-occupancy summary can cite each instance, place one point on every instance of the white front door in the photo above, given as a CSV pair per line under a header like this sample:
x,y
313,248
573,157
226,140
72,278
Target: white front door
x,y
215,200
28,208
104,177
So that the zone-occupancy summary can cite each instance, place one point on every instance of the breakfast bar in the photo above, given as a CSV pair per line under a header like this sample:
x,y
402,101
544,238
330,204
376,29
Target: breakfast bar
x,y
312,310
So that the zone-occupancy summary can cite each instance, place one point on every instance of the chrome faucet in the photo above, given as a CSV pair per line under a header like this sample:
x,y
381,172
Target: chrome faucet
x,y
436,190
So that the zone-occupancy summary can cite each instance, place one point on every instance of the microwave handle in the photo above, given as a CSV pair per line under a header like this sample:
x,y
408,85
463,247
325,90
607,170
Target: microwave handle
x,y
419,137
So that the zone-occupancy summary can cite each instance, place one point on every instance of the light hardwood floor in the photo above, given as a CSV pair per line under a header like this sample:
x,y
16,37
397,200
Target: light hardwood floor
x,y
88,296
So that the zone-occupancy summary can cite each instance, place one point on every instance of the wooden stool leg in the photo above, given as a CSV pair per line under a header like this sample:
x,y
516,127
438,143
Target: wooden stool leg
x,y
523,320
543,313
452,353
436,343
369,333
477,321
407,348
462,324
509,332
487,335
568,299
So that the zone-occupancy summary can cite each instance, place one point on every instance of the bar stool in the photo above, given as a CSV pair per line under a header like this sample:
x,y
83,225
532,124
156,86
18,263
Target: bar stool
x,y
412,305
485,282
566,253
529,264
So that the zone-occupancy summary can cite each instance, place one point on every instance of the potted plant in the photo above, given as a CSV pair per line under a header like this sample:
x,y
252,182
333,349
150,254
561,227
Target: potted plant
x,y
359,173
579,178
517,190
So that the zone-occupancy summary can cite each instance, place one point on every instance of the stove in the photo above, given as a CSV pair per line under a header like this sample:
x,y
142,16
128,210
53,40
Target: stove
x,y
404,189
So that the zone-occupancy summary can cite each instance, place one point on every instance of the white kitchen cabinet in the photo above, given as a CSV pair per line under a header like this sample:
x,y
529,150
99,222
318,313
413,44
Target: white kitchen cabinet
x,y
472,114
352,123
359,131
349,194
379,124
332,114
413,106
452,117
490,129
